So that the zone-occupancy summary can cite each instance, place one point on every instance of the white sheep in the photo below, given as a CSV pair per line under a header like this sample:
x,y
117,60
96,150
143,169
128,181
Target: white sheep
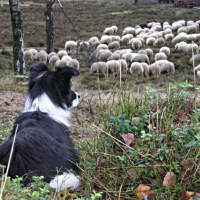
x,y
115,38
123,51
191,38
41,56
60,64
108,31
146,69
154,70
160,56
142,52
141,58
113,67
169,37
114,45
136,69
33,51
62,53
102,46
167,67
73,63
94,42
182,29
84,46
114,56
149,53
191,29
124,66
150,41
197,68
127,30
106,39
52,61
66,58
126,38
159,41
51,54
196,58
115,28
181,37
129,57
188,48
71,46
165,50
99,67
135,43
103,55
28,56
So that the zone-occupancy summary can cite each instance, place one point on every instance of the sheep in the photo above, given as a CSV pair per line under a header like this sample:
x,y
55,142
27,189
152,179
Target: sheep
x,y
70,46
94,42
33,51
150,41
136,69
108,31
196,58
113,67
123,51
159,41
129,57
104,55
84,46
51,54
73,63
188,48
197,68
102,46
135,43
154,69
190,38
28,56
130,30
142,52
149,53
181,37
100,67
66,58
41,56
169,37
146,69
178,45
182,29
126,38
105,39
114,45
114,28
141,58
167,67
60,64
160,56
191,29
115,38
114,56
124,66
160,62
165,50
62,53
52,61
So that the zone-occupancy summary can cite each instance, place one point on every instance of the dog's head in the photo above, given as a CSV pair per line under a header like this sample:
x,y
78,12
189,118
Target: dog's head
x,y
48,87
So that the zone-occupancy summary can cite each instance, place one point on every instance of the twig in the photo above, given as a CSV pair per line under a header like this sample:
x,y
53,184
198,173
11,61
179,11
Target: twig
x,y
9,161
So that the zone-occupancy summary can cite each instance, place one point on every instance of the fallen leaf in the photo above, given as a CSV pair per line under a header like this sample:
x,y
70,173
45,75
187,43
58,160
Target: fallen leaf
x,y
169,179
143,191
128,138
188,195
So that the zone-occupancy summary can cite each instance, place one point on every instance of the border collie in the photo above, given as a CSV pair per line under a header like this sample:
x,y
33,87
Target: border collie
x,y
42,145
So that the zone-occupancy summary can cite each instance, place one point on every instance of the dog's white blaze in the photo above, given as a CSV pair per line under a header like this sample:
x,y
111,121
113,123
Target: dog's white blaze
x,y
64,181
75,101
44,104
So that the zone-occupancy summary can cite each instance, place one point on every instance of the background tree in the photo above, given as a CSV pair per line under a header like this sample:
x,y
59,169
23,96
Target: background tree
x,y
18,38
49,25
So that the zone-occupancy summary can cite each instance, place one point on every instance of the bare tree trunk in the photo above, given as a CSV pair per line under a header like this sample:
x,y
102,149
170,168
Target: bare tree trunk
x,y
18,38
49,25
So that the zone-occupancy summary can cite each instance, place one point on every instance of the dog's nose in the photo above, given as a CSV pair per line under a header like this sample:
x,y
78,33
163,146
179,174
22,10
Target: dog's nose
x,y
79,96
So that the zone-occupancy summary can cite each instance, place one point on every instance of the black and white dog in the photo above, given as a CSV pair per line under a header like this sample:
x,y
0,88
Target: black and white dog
x,y
43,146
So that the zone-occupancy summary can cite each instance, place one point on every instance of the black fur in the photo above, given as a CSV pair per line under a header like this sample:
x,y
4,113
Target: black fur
x,y
43,145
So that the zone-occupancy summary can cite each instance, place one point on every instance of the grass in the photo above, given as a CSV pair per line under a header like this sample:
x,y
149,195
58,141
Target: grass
x,y
128,136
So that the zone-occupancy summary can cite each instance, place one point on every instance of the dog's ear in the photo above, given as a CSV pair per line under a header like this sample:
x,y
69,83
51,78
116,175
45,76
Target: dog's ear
x,y
38,68
67,72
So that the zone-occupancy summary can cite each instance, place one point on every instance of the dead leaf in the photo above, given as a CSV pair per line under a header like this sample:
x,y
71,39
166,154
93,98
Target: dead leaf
x,y
128,138
143,191
169,179
188,195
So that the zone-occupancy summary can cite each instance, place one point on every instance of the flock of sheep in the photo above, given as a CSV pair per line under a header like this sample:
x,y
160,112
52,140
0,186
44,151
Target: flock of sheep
x,y
131,51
